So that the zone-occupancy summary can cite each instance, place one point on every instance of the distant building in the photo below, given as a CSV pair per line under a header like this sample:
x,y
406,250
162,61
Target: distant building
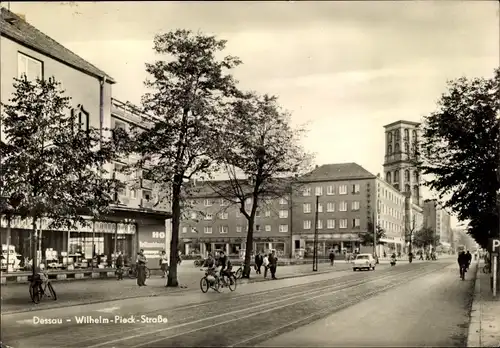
x,y
438,220
401,145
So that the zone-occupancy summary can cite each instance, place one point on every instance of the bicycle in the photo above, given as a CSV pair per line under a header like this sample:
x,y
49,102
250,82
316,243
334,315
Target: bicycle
x,y
239,272
132,272
37,292
217,282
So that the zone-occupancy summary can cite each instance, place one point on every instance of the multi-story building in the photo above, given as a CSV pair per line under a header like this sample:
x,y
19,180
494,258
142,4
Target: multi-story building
x,y
438,220
401,144
347,199
27,52
213,223
390,217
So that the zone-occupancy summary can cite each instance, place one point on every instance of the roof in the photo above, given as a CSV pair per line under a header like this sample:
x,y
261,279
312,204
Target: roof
x,y
338,171
17,29
412,123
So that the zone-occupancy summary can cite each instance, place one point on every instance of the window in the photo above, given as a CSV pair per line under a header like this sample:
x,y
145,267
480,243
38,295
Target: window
x,y
268,228
207,203
407,133
223,229
355,223
343,223
224,216
283,228
208,216
238,229
414,134
407,175
194,230
343,206
184,230
330,207
396,175
306,191
330,190
306,207
389,150
342,189
389,137
307,224
320,224
133,194
257,228
120,124
388,177
283,214
223,202
320,207
207,229
396,148
257,213
415,191
193,215
407,188
330,223
268,213
29,67
397,134
355,188
283,201
319,191
407,148
355,205
81,116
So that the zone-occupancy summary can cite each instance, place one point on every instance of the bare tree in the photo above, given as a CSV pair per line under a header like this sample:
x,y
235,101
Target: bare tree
x,y
262,158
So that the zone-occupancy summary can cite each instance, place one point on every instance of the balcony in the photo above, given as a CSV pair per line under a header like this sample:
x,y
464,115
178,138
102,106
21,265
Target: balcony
x,y
146,184
147,204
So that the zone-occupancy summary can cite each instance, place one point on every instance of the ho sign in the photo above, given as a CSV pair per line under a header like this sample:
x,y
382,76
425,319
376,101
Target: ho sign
x,y
159,235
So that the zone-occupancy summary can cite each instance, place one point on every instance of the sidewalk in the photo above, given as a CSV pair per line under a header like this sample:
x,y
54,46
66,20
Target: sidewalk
x,y
484,327
15,297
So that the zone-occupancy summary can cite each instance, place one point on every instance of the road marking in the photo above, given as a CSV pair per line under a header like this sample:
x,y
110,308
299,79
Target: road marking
x,y
108,310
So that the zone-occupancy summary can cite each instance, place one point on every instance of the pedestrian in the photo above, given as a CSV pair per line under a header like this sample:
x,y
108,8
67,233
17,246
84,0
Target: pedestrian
x,y
469,258
265,263
258,262
119,266
332,257
164,263
141,268
273,264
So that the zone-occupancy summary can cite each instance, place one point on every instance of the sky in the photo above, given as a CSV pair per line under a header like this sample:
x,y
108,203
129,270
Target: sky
x,y
344,68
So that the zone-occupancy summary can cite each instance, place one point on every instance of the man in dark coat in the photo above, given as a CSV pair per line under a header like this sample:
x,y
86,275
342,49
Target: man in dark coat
x,y
141,268
273,264
332,257
119,266
258,263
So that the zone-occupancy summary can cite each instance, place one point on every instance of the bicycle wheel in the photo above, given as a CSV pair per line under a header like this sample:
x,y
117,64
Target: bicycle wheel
x,y
204,285
52,291
148,272
239,273
232,283
35,293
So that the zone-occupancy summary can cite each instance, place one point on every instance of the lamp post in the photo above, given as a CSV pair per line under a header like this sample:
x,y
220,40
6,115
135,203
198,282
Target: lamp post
x,y
315,248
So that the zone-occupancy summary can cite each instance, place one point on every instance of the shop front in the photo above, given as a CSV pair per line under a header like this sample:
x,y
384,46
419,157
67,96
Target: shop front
x,y
339,242
155,237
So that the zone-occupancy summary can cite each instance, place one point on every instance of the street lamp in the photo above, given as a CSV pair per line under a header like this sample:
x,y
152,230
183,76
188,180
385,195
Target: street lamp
x,y
315,247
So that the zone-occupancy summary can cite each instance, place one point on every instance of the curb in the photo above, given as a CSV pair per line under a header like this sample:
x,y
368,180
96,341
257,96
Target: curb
x,y
175,291
474,331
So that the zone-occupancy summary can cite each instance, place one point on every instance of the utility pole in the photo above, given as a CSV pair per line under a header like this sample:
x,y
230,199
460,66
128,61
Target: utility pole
x,y
315,251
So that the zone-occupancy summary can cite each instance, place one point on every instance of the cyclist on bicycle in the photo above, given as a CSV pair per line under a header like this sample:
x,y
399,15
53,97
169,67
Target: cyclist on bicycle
x,y
225,266
41,275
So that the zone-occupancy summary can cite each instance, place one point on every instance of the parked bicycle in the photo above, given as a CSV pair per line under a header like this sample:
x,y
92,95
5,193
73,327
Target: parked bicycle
x,y
131,271
39,290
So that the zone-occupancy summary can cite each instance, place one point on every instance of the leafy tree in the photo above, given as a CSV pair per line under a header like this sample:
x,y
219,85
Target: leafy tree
x,y
188,91
260,146
460,150
367,238
52,165
425,237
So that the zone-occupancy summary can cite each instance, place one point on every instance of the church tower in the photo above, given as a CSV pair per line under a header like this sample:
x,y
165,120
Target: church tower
x,y
401,143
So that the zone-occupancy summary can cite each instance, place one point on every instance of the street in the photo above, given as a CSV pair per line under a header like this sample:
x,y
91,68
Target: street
x,y
419,304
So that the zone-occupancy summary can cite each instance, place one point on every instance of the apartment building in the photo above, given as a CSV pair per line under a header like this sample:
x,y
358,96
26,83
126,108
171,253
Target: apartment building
x,y
213,223
438,220
26,51
346,201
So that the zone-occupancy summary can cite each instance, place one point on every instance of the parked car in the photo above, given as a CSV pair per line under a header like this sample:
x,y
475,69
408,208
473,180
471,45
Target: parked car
x,y
364,261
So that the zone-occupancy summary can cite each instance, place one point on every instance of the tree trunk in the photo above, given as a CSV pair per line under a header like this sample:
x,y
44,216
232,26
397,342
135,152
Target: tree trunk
x,y
176,217
35,247
249,249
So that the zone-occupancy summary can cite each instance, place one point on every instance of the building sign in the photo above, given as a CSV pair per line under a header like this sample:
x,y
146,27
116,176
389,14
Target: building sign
x,y
44,223
154,239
